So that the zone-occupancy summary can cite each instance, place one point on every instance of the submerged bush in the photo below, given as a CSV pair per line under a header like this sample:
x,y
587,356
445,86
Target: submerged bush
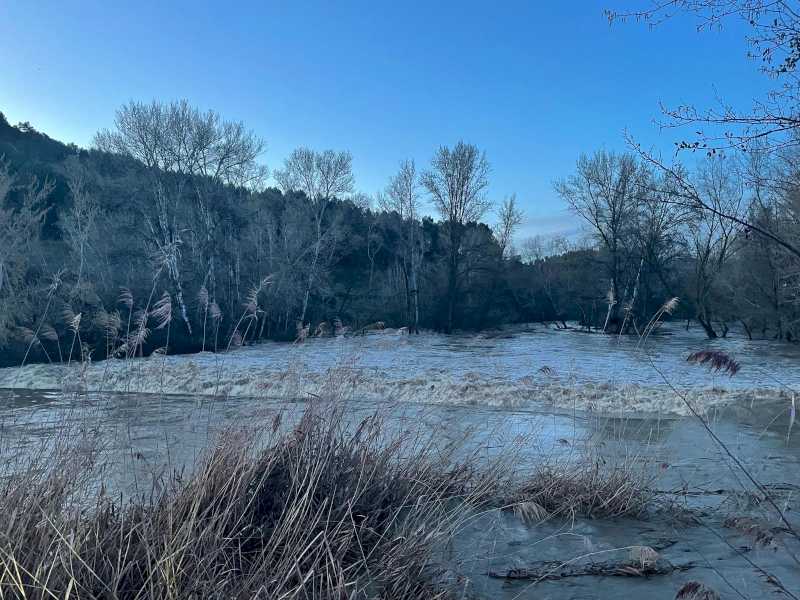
x,y
587,489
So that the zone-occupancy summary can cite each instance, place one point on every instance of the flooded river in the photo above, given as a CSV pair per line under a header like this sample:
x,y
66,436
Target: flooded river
x,y
145,433
572,355
508,369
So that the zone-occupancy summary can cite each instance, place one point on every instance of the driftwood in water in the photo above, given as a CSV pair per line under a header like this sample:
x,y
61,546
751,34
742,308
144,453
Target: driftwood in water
x,y
554,569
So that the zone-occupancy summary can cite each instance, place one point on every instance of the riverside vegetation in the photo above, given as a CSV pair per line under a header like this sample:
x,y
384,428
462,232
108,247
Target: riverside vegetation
x,y
165,237
332,499
325,507
171,207
321,507
329,501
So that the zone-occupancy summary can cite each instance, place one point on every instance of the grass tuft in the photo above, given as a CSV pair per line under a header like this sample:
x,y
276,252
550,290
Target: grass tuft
x,y
326,508
593,490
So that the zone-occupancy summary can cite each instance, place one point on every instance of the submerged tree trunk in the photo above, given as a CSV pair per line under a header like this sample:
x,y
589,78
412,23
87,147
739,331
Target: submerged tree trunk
x,y
412,282
612,315
707,327
451,294
312,271
628,318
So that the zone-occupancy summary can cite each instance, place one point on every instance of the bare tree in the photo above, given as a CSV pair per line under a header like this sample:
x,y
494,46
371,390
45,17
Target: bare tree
x,y
713,239
683,191
402,197
510,217
537,252
771,125
20,225
659,238
774,40
79,221
605,191
176,137
185,149
321,177
767,277
457,182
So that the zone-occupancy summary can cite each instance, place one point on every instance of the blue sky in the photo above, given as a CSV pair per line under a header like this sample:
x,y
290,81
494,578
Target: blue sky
x,y
531,83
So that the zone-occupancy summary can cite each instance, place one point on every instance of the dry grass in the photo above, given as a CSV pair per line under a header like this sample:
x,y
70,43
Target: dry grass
x,y
590,489
695,590
325,509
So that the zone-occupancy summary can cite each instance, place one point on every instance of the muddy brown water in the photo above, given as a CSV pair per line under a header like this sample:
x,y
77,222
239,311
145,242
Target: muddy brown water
x,y
151,434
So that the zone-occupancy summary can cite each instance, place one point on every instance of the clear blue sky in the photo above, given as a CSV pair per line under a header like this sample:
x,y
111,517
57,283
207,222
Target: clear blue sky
x,y
533,83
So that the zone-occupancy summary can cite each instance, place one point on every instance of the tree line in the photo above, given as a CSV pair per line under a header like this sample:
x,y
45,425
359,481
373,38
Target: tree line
x,y
166,235
721,238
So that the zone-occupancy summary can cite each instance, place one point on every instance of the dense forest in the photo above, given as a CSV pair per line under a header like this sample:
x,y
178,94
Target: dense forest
x,y
169,234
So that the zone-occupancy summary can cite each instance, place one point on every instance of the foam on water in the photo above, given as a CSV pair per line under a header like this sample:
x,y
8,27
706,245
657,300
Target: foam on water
x,y
567,370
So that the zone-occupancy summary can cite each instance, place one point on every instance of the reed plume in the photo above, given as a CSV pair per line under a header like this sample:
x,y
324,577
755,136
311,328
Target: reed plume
x,y
125,298
215,311
694,590
667,308
162,311
29,336
715,360
202,297
113,324
55,283
250,308
73,322
134,341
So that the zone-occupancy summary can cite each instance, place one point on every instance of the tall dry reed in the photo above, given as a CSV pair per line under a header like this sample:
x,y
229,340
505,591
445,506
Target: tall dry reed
x,y
326,508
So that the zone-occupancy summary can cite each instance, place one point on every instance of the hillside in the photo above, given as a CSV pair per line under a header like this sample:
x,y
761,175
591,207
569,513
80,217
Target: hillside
x,y
140,258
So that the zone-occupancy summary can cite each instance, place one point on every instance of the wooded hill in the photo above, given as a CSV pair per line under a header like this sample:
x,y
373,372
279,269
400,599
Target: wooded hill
x,y
168,234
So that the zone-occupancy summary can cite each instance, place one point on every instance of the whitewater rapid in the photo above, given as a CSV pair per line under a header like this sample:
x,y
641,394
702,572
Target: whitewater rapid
x,y
237,375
